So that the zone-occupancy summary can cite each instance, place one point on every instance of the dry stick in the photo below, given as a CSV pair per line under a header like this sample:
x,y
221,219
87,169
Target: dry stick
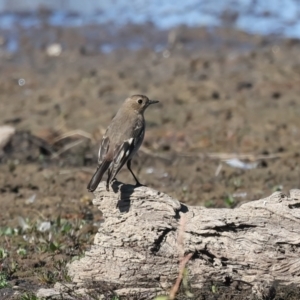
x,y
182,264
72,144
155,155
66,148
72,133
183,259
39,213
84,170
221,156
226,156
7,242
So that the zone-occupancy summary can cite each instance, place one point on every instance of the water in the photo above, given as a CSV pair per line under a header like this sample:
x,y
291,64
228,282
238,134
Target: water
x,y
279,17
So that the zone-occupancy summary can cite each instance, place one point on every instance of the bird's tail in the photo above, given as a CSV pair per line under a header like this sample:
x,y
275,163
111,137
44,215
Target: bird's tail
x,y
94,182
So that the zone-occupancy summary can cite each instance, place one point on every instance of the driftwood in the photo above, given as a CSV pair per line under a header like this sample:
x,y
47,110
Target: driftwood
x,y
136,248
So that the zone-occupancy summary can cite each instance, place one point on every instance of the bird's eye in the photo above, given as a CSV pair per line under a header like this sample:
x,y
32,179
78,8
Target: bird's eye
x,y
140,101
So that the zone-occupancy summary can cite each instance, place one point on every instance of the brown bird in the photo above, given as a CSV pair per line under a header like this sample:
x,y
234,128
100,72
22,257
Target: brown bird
x,y
121,141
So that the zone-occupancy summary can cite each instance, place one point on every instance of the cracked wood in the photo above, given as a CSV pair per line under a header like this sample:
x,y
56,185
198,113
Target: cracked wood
x,y
136,247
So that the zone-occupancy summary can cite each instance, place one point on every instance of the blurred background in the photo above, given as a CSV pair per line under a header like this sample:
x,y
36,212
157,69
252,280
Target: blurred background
x,y
226,131
254,16
280,18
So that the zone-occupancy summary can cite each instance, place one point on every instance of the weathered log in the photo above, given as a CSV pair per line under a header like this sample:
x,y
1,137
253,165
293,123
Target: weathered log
x,y
136,247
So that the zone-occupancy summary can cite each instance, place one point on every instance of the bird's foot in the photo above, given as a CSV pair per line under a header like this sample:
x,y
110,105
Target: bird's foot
x,y
138,184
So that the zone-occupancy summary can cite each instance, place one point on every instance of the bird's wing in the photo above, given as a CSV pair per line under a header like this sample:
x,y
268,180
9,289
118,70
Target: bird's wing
x,y
124,150
104,161
104,147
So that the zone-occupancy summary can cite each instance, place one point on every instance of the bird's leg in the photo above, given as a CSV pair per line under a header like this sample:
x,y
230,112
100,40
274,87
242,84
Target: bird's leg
x,y
129,168
107,180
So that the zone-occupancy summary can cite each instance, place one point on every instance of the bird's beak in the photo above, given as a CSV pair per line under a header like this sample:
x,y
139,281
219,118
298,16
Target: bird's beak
x,y
153,101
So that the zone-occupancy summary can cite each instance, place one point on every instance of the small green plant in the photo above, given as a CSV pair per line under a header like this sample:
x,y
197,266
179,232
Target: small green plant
x,y
161,297
54,246
59,274
209,203
22,252
62,272
29,296
277,188
66,227
229,200
214,289
8,231
3,280
185,283
48,277
3,253
236,182
12,267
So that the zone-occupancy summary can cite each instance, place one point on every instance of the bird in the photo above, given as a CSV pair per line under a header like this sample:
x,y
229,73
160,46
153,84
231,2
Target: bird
x,y
121,141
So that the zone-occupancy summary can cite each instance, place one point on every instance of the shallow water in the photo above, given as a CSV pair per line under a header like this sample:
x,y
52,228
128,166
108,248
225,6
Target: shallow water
x,y
279,17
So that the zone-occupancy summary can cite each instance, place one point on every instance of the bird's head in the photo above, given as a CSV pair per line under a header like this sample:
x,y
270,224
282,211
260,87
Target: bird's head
x,y
138,103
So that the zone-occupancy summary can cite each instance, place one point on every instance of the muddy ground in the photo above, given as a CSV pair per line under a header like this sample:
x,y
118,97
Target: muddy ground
x,y
222,94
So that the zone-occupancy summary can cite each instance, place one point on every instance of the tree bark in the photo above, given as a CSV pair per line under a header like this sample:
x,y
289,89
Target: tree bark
x,y
137,249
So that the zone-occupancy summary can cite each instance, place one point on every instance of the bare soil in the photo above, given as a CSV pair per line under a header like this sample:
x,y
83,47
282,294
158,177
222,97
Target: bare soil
x,y
222,93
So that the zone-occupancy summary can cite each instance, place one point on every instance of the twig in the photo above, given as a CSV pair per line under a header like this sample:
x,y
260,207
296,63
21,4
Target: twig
x,y
66,148
72,133
226,156
156,155
218,170
39,213
183,259
7,242
219,156
182,264
85,170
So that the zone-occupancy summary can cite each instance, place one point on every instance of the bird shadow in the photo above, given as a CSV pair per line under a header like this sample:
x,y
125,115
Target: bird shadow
x,y
126,190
